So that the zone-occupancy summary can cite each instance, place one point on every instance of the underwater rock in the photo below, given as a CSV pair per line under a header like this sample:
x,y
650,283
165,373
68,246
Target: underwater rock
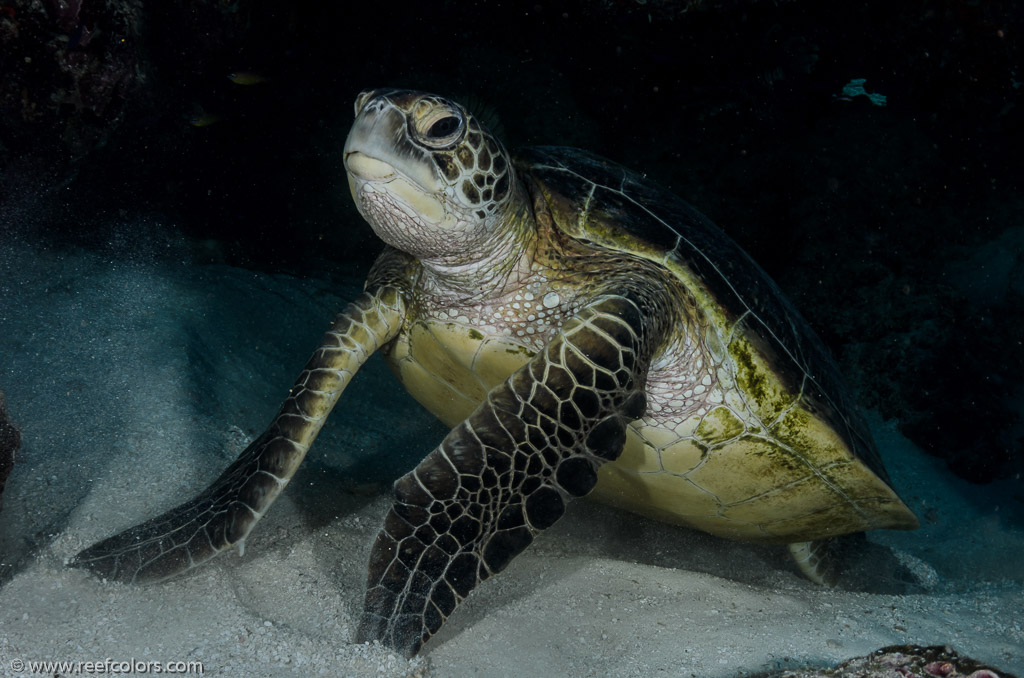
x,y
74,72
71,67
901,661
10,438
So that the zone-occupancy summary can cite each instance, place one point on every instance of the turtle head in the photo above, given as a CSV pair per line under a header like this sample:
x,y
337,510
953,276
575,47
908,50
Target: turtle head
x,y
428,176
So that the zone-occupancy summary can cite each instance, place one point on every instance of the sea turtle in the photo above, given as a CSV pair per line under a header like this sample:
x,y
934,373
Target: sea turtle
x,y
583,333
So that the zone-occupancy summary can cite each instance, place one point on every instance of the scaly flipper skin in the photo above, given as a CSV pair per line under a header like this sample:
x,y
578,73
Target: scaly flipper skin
x,y
507,472
225,512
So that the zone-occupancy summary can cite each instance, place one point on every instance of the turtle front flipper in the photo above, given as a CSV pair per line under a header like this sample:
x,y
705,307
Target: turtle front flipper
x,y
225,512
508,470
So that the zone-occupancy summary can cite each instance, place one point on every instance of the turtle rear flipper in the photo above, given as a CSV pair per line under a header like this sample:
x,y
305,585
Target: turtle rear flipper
x,y
854,563
507,471
817,560
225,512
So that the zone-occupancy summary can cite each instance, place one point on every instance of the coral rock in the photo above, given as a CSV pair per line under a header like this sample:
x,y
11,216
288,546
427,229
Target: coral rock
x,y
901,661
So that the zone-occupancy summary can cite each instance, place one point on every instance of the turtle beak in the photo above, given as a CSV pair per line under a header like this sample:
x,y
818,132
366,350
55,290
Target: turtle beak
x,y
378,147
380,158
369,136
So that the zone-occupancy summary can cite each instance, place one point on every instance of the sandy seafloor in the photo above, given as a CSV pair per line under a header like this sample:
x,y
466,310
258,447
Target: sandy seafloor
x,y
137,375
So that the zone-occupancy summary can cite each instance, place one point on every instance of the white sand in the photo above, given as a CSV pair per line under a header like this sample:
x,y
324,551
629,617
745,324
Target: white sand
x,y
136,380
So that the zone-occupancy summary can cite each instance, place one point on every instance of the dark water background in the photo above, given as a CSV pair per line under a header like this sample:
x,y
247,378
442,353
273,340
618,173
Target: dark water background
x,y
897,230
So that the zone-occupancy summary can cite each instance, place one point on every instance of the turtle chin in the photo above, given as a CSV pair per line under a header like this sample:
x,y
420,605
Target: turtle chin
x,y
406,217
367,167
369,176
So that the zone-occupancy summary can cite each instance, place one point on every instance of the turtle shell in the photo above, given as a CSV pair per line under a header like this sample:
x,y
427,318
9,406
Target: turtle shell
x,y
780,364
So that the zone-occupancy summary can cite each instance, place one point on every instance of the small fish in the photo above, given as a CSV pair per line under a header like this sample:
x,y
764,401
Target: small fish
x,y
246,78
855,88
205,119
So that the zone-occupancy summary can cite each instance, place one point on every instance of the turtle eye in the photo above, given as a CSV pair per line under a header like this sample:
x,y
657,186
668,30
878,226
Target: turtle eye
x,y
444,127
439,127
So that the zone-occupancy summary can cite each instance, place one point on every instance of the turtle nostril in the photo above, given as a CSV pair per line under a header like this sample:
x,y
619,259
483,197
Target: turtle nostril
x,y
365,96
